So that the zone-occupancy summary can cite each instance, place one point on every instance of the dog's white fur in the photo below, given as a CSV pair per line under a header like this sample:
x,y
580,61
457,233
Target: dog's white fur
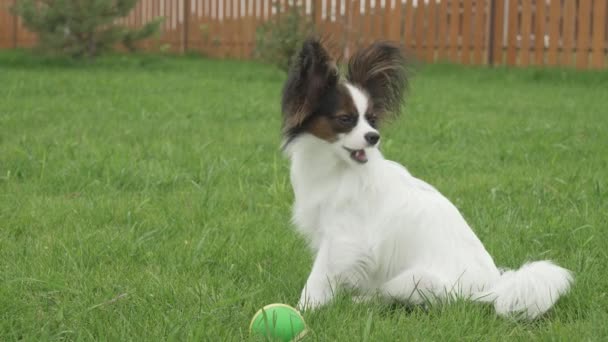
x,y
376,228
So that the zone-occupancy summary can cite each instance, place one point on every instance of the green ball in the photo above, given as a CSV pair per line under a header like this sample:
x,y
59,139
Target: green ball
x,y
278,322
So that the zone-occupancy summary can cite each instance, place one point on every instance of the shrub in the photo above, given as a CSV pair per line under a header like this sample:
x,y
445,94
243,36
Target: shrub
x,y
277,41
81,28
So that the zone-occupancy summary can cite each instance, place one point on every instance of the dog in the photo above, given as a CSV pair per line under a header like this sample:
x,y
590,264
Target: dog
x,y
371,225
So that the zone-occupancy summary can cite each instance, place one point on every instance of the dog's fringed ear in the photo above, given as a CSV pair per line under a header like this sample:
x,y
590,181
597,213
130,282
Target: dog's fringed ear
x,y
380,70
312,73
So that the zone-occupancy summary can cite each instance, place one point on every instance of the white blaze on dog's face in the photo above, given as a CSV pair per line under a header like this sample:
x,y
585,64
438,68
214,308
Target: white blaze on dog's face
x,y
345,113
364,135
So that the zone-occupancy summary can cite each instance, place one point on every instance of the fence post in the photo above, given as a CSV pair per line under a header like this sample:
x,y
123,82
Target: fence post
x,y
492,18
497,21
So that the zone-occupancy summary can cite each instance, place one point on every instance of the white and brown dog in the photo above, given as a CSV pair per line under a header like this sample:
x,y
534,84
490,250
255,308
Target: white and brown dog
x,y
373,226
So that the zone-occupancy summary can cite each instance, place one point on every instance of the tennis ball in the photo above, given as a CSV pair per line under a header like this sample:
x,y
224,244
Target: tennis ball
x,y
278,322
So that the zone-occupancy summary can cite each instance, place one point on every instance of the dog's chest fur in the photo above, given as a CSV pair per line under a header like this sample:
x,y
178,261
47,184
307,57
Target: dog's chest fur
x,y
334,202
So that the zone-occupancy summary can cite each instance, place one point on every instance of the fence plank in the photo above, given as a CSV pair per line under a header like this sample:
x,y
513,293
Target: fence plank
x,y
187,29
386,22
235,29
431,31
166,8
334,27
369,13
163,12
479,28
454,30
396,16
467,17
221,33
598,54
219,26
539,35
526,31
230,32
4,31
554,38
197,23
582,57
355,26
253,25
137,12
367,23
259,19
512,32
498,37
240,36
330,25
246,30
377,20
130,17
317,11
569,28
181,25
5,27
408,25
419,22
176,29
227,31
200,23
267,10
343,25
203,26
155,14
443,31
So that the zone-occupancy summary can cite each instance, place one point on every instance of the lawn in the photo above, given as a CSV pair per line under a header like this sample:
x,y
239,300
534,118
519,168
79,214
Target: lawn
x,y
145,198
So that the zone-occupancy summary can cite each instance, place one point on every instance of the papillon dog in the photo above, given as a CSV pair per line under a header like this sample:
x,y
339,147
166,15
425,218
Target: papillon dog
x,y
372,226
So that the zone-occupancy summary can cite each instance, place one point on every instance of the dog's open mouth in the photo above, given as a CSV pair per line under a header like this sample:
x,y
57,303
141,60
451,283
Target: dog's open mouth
x,y
357,155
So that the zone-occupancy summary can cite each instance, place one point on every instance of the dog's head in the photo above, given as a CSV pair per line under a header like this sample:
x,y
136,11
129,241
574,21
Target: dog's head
x,y
345,112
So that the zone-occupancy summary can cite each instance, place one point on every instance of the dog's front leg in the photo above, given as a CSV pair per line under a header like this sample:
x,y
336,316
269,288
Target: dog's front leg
x,y
320,284
335,265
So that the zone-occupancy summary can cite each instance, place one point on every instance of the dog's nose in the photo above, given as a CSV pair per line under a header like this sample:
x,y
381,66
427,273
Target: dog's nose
x,y
372,138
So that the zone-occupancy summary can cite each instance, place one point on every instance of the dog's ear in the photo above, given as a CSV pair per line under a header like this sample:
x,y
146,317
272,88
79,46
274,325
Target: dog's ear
x,y
380,70
312,73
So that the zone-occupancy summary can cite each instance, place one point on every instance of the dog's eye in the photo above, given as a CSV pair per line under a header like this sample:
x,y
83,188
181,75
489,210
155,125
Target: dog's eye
x,y
373,120
346,119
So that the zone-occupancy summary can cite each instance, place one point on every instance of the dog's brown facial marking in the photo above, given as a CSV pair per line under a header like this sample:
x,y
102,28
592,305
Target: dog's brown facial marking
x,y
318,101
336,114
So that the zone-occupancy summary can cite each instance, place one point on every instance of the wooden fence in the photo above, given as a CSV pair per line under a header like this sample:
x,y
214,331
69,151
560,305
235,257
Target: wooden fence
x,y
511,32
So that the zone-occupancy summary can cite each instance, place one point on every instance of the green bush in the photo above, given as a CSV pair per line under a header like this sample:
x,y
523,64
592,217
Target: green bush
x,y
277,41
81,28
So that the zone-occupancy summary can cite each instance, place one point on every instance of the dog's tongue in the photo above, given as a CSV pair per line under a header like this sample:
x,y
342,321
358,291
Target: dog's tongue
x,y
360,155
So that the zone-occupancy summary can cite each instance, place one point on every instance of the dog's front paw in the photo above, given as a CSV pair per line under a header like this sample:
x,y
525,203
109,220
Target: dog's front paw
x,y
313,300
308,304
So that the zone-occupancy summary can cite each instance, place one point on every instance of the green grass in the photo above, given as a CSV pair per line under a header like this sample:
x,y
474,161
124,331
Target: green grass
x,y
145,198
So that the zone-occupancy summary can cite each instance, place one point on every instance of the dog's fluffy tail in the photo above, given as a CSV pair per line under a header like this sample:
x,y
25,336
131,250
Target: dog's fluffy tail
x,y
529,291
